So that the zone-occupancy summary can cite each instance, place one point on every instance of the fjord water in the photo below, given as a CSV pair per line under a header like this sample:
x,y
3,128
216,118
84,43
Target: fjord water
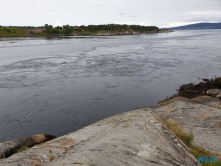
x,y
58,85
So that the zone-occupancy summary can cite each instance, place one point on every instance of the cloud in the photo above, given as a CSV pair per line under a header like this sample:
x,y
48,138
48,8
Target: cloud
x,y
204,16
122,14
135,23
152,12
175,24
57,24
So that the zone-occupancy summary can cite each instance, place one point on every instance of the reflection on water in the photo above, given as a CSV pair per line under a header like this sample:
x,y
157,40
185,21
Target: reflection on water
x,y
58,85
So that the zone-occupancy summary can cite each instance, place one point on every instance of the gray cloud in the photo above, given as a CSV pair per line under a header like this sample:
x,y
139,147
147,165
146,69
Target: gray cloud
x,y
145,12
122,14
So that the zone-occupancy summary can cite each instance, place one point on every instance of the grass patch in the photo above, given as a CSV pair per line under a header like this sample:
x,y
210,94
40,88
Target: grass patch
x,y
22,149
11,31
178,130
188,139
199,151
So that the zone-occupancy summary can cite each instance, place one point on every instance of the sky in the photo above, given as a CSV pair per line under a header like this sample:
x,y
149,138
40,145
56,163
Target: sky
x,y
161,13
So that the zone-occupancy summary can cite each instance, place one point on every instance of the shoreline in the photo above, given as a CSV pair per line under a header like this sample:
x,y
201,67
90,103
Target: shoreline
x,y
113,136
93,35
191,91
187,92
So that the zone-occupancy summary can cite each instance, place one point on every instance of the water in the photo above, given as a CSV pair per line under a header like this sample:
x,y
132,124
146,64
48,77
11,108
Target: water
x,y
58,85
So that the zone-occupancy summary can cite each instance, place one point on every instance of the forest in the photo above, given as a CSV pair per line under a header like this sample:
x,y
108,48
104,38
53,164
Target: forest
x,y
92,29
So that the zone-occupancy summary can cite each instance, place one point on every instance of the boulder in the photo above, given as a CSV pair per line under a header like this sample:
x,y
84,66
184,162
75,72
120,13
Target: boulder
x,y
219,95
10,147
213,92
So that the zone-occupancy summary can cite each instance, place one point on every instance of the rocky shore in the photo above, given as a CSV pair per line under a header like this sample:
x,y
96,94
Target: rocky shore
x,y
10,147
195,90
186,125
133,138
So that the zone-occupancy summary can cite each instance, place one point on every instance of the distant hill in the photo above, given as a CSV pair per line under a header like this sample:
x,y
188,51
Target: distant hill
x,y
197,26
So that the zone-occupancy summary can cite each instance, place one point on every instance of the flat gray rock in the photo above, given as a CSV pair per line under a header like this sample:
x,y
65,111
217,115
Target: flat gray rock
x,y
135,138
200,116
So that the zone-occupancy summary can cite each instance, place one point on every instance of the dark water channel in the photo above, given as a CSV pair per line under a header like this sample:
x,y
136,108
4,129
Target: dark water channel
x,y
58,85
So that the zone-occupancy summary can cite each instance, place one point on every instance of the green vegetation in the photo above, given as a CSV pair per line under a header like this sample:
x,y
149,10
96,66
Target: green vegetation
x,y
187,139
22,149
118,27
96,29
113,29
12,31
66,29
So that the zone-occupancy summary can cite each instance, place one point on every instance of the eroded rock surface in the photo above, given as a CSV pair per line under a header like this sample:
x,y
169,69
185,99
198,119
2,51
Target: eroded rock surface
x,y
133,138
10,147
200,116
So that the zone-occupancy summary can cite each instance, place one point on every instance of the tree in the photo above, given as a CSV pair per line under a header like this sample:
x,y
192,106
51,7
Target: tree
x,y
67,29
49,29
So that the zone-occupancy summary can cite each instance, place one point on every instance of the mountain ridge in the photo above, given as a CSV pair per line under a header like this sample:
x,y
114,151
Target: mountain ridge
x,y
204,25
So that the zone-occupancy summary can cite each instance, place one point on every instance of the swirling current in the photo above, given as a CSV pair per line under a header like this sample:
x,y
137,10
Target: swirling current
x,y
58,85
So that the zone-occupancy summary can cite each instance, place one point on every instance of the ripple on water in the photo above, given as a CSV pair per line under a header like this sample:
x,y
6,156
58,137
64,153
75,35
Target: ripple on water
x,y
65,84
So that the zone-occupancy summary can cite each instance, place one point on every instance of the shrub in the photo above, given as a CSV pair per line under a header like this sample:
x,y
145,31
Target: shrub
x,y
32,32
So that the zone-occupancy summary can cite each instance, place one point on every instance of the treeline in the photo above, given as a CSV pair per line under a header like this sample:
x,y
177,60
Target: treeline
x,y
24,26
119,27
66,29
